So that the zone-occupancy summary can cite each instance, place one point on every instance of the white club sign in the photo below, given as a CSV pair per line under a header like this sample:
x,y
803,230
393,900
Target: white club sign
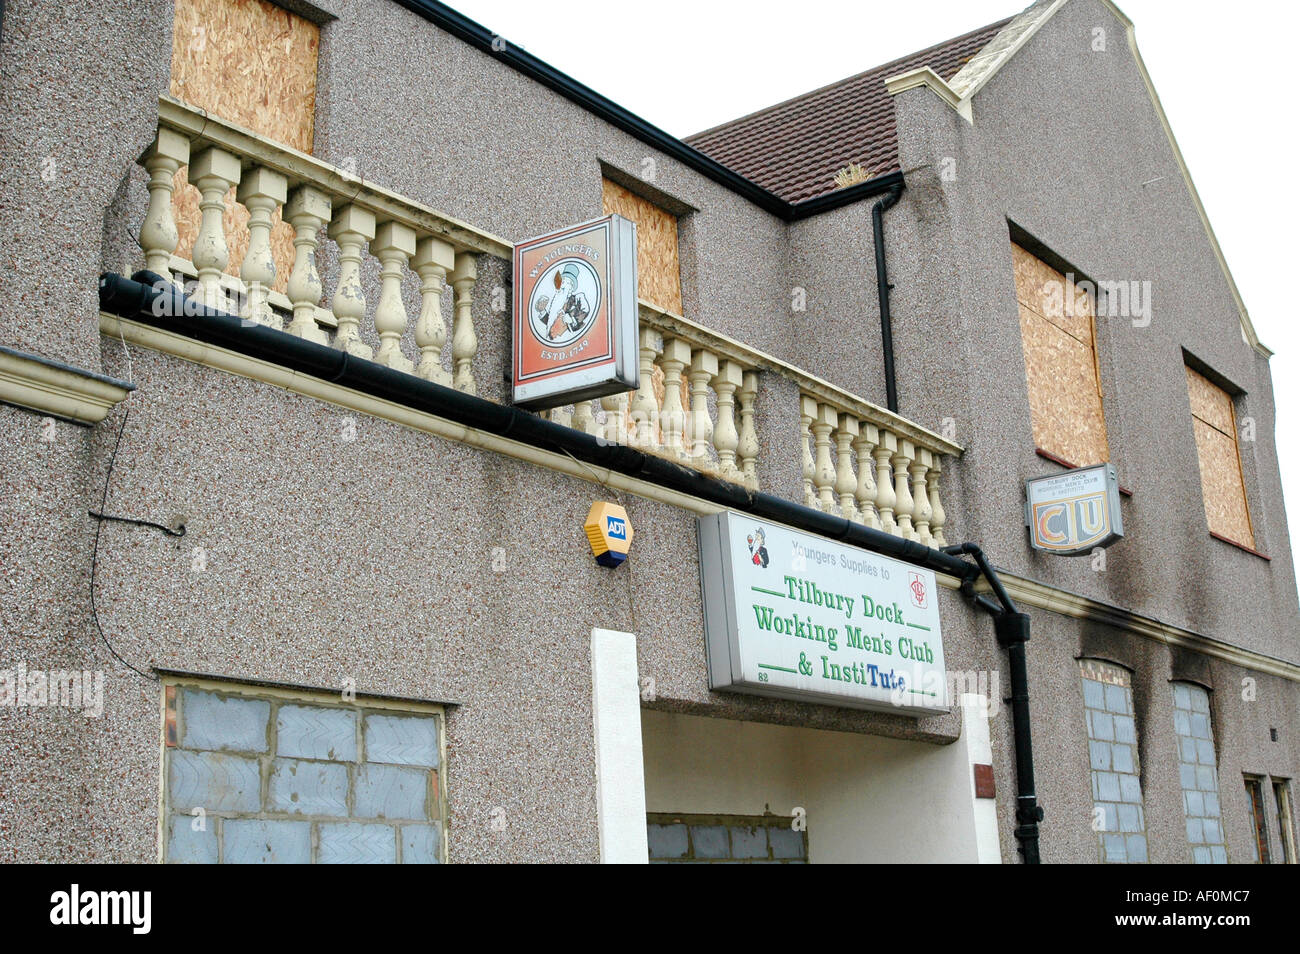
x,y
797,616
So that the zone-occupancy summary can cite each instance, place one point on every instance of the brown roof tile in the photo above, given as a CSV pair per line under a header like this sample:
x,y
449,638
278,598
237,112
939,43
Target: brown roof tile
x,y
795,148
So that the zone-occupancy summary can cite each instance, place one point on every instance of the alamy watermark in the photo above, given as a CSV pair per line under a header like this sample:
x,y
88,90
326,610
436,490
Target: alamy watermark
x,y
1129,298
21,688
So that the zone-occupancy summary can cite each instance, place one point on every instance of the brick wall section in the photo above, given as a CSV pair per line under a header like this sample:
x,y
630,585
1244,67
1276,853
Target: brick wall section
x,y
254,780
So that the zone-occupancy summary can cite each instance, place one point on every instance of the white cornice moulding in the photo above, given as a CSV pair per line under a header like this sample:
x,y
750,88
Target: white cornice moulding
x,y
60,390
1030,592
1056,600
932,81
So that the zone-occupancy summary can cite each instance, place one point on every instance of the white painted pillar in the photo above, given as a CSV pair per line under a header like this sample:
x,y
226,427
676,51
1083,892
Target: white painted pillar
x,y
620,769
979,751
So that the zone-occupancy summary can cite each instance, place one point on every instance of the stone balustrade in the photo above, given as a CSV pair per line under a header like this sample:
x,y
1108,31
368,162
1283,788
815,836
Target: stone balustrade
x,y
694,405
312,197
864,464
697,403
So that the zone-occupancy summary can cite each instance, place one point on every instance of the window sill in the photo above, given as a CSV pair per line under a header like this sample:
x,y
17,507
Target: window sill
x,y
1048,455
1240,546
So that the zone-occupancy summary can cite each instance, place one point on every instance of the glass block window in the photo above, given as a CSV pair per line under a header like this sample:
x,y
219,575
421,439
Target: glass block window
x,y
1118,816
269,777
732,839
1199,774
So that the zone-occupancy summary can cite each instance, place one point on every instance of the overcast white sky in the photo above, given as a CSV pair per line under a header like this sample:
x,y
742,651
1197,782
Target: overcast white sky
x,y
1223,75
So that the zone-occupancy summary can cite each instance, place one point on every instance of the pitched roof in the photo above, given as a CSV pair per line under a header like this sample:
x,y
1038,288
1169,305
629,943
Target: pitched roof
x,y
795,148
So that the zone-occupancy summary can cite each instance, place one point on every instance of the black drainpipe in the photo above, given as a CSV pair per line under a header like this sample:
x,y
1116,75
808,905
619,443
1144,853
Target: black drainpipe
x,y
1012,629
152,300
887,201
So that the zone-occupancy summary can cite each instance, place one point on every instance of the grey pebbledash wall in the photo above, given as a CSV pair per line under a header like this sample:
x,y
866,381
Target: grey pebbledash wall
x,y
1065,145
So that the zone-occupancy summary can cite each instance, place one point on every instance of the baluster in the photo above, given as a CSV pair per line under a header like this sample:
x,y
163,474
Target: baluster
x,y
704,368
824,475
645,409
807,413
261,191
885,497
725,436
307,210
846,481
464,343
351,228
748,449
213,171
905,507
676,356
937,516
394,245
434,258
584,419
562,415
921,515
866,478
615,427
158,234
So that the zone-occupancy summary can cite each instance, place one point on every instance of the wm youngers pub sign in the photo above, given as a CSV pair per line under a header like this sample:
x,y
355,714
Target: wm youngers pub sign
x,y
1074,513
793,615
575,314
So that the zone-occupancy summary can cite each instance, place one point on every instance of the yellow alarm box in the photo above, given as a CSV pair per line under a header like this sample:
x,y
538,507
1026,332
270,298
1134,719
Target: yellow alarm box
x,y
609,532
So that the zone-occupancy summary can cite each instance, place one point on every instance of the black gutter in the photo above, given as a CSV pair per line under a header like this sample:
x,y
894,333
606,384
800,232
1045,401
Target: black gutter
x,y
517,58
152,300
883,289
1012,629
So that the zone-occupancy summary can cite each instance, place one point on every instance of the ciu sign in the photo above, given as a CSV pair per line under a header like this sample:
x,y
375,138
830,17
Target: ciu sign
x,y
575,314
1074,513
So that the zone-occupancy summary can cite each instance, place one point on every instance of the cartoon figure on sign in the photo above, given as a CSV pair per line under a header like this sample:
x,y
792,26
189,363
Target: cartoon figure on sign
x,y
564,316
758,547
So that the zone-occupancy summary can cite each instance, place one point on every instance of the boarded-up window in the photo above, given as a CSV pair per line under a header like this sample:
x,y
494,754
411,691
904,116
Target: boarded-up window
x,y
254,64
1222,486
249,62
658,270
1058,330
257,777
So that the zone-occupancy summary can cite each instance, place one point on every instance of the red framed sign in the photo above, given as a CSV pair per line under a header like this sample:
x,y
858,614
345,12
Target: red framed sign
x,y
575,314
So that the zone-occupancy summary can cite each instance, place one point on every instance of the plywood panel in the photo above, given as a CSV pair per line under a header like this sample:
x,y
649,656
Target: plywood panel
x,y
249,62
1063,398
1221,484
254,64
1210,403
1051,295
1223,487
1058,332
659,275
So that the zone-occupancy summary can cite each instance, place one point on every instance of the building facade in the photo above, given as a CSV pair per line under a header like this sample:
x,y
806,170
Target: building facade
x,y
284,578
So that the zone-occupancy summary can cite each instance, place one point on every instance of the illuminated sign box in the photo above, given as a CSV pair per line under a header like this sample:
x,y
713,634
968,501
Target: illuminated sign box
x,y
796,616
575,314
1074,513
